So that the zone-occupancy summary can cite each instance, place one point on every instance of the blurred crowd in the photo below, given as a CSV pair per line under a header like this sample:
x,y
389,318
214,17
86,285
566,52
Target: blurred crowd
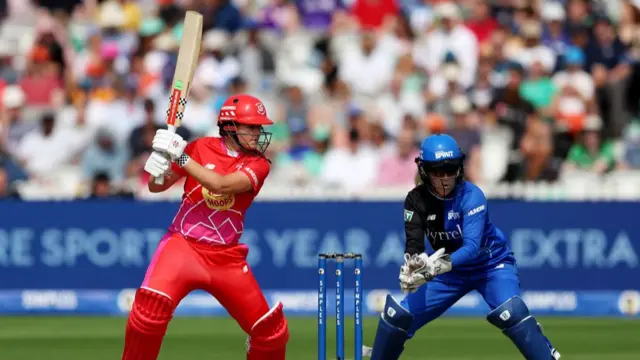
x,y
531,89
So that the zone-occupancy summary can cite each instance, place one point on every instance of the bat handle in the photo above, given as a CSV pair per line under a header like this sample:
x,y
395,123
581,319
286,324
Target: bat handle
x,y
160,180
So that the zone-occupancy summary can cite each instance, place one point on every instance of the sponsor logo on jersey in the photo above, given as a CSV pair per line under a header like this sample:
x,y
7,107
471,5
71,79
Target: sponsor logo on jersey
x,y
210,166
453,215
431,217
445,235
218,201
476,210
443,154
408,215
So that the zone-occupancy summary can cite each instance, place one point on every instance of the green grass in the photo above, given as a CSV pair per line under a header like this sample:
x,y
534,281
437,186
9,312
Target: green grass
x,y
98,338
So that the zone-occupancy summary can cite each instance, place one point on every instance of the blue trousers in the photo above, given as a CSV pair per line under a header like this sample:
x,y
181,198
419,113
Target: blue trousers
x,y
434,298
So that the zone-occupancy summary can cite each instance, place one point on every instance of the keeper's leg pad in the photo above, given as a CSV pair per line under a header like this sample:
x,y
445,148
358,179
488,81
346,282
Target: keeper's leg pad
x,y
147,325
269,336
392,332
515,321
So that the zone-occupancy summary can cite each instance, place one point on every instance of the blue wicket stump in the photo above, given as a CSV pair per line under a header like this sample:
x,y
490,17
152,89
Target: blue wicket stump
x,y
322,304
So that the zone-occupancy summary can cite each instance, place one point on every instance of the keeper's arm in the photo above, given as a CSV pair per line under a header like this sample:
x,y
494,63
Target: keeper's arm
x,y
473,219
413,227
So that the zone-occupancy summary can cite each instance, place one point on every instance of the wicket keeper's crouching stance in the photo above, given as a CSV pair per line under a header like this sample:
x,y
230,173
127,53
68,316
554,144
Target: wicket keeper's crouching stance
x,y
470,254
201,249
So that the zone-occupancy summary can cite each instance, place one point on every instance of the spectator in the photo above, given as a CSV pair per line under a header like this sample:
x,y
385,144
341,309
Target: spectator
x,y
352,168
218,67
398,101
578,13
610,65
372,57
105,155
318,16
575,97
295,109
371,14
481,23
47,149
381,142
445,85
14,125
102,188
255,61
398,168
535,161
271,16
41,83
590,152
304,157
221,14
554,35
7,191
533,51
538,88
137,143
467,136
631,146
511,108
8,72
450,37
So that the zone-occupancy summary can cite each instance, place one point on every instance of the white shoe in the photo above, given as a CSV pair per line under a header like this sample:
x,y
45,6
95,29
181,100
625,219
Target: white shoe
x,y
366,351
555,354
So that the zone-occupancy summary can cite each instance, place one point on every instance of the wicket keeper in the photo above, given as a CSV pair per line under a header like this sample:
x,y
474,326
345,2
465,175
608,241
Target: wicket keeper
x,y
471,253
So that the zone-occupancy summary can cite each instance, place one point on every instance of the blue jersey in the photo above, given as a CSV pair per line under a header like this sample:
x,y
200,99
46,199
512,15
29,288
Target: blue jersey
x,y
461,225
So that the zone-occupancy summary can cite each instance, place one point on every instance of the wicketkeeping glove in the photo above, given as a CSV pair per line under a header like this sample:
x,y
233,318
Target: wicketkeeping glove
x,y
434,265
410,281
420,269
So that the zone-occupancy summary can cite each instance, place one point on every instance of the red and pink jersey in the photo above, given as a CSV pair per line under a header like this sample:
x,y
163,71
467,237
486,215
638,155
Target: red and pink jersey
x,y
217,218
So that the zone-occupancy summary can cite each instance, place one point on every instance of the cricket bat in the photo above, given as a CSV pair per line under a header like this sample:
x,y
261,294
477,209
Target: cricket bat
x,y
188,55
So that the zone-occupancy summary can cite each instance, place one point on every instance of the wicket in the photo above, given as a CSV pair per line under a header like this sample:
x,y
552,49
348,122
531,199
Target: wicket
x,y
322,305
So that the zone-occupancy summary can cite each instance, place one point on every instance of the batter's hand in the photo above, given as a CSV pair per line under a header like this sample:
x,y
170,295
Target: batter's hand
x,y
169,143
157,165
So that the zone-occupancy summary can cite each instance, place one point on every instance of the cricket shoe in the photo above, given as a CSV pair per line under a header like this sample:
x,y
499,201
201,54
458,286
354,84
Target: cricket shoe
x,y
366,351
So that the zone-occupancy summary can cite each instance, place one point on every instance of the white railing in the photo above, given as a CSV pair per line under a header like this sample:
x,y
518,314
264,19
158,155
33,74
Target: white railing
x,y
576,186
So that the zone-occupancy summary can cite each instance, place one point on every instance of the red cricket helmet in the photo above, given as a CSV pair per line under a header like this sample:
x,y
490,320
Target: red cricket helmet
x,y
246,110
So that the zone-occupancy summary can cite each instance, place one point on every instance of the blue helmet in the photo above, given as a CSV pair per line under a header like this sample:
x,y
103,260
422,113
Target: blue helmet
x,y
440,156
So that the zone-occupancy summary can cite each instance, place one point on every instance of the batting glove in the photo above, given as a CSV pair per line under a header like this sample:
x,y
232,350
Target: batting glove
x,y
157,165
169,143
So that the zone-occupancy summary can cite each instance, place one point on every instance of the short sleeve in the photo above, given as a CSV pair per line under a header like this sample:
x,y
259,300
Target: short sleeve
x,y
575,154
190,150
257,172
608,154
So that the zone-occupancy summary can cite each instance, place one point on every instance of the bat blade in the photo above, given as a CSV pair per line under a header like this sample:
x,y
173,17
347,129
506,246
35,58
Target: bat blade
x,y
188,55
186,64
